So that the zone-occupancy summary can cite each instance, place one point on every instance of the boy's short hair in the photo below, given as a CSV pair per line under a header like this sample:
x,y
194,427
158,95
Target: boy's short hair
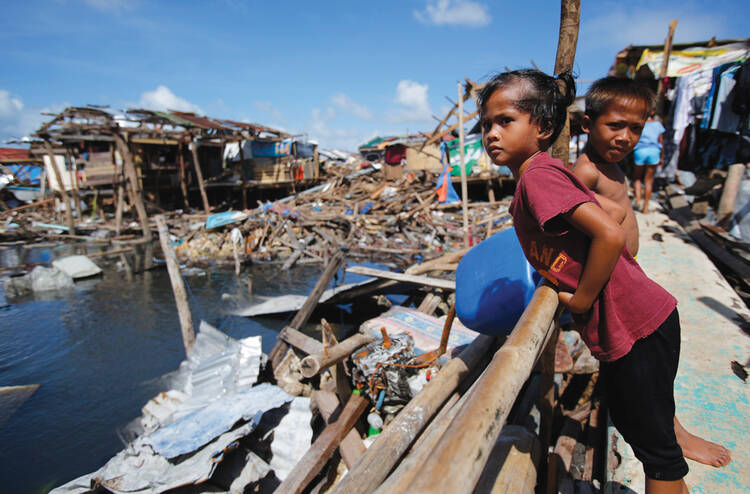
x,y
607,89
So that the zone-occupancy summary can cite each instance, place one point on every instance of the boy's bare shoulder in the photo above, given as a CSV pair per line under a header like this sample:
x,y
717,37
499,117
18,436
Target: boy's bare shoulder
x,y
586,171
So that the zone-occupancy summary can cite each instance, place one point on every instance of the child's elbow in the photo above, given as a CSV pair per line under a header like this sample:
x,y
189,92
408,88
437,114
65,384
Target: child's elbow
x,y
616,238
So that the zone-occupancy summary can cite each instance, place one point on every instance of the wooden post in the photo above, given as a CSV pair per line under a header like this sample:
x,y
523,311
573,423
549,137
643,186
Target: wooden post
x,y
183,180
243,174
665,64
393,442
729,194
178,285
280,348
570,16
313,364
464,188
457,465
323,447
199,175
61,184
135,185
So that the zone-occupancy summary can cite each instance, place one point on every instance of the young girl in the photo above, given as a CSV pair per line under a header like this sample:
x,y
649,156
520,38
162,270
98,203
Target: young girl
x,y
628,322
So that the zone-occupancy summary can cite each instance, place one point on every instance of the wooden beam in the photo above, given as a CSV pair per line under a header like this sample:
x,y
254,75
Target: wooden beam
x,y
665,61
323,447
419,280
462,166
302,316
352,447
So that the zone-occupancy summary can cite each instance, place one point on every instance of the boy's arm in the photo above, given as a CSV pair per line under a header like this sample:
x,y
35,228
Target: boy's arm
x,y
613,209
607,241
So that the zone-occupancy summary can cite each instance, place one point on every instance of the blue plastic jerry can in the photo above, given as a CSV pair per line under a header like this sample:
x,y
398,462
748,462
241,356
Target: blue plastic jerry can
x,y
494,283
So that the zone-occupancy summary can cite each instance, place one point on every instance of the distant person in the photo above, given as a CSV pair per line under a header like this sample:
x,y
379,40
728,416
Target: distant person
x,y
618,112
628,321
647,156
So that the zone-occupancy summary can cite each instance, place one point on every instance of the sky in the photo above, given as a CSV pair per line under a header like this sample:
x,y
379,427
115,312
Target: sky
x,y
339,72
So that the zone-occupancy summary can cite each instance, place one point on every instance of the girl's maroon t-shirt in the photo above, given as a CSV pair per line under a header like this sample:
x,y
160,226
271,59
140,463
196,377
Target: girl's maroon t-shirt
x,y
630,306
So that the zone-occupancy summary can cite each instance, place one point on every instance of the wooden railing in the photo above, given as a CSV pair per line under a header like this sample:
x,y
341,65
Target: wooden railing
x,y
451,454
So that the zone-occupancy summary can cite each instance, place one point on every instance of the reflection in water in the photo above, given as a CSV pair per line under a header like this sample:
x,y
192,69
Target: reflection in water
x,y
98,352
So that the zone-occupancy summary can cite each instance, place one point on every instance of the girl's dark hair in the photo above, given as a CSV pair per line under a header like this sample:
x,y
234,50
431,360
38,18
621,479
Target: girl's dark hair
x,y
544,99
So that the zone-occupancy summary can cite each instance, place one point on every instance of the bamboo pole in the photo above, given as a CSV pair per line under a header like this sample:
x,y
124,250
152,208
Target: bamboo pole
x,y
464,187
135,186
61,185
570,17
665,62
313,364
457,464
199,175
178,285
391,444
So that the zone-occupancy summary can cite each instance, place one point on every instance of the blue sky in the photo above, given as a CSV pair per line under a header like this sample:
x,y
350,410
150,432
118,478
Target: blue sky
x,y
340,72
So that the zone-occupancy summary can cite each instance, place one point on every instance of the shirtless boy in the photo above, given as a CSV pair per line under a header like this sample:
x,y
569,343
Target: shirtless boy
x,y
616,112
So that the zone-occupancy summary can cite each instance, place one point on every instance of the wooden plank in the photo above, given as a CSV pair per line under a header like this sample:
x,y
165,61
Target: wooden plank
x,y
729,193
352,446
419,280
299,340
199,175
323,447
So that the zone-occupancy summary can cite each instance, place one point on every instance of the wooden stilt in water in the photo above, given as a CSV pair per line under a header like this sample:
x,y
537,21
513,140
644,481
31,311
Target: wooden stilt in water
x,y
132,176
199,175
64,193
178,285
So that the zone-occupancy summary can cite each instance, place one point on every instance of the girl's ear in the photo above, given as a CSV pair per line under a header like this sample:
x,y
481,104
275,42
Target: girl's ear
x,y
586,124
544,135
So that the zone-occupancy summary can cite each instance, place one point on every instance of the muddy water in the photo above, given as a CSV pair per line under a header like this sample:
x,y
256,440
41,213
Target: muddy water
x,y
98,353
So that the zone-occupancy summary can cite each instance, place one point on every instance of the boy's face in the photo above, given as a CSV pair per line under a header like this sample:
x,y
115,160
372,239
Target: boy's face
x,y
508,134
614,133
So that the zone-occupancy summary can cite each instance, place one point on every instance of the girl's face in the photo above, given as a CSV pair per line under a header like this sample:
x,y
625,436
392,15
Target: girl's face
x,y
508,134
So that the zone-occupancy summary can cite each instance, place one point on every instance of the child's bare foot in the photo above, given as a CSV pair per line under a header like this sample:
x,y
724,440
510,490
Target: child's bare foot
x,y
700,450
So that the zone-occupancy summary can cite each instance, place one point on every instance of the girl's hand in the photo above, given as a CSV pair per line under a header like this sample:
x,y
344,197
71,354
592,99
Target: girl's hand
x,y
572,303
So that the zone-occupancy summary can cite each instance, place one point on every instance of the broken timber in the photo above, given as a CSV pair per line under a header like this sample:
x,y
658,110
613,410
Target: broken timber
x,y
420,280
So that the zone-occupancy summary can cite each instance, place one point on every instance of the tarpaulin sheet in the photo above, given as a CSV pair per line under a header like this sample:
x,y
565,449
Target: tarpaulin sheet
x,y
272,149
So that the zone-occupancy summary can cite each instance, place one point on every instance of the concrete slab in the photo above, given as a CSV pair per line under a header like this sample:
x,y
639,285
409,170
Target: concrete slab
x,y
712,401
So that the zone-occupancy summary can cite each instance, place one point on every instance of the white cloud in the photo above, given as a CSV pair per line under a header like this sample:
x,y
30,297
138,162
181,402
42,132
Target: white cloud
x,y
411,98
18,120
268,108
329,137
347,104
162,98
622,27
456,12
